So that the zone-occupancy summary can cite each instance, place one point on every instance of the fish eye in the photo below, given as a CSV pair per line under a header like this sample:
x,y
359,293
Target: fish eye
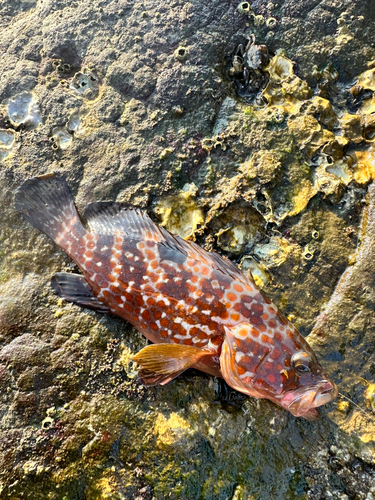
x,y
301,362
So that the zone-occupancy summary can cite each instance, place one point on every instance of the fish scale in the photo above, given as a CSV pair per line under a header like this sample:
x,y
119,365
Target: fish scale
x,y
196,307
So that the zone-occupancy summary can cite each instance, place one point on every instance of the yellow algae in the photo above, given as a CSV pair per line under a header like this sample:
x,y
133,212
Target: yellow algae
x,y
305,191
180,213
323,109
284,87
169,430
309,134
364,168
368,107
367,79
352,127
369,394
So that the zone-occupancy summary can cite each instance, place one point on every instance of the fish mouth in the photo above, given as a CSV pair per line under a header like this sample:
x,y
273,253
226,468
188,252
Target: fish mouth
x,y
304,402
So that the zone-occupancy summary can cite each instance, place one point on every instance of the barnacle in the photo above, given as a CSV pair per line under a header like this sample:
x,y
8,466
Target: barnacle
x,y
181,53
284,87
257,270
179,213
24,110
276,251
86,83
271,22
61,138
7,141
244,8
307,254
259,20
233,239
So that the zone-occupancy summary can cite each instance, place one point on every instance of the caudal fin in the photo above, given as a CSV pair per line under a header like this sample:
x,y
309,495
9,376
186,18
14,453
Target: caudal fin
x,y
47,204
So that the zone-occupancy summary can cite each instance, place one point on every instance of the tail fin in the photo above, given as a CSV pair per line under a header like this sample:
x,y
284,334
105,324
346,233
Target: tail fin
x,y
47,204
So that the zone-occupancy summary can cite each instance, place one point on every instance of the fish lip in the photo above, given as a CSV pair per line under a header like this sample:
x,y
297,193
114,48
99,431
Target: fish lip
x,y
306,399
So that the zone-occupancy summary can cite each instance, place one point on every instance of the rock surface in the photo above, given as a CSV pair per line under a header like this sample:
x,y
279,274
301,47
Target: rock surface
x,y
133,101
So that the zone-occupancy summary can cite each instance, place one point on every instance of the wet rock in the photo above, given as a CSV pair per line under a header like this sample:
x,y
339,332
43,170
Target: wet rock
x,y
160,115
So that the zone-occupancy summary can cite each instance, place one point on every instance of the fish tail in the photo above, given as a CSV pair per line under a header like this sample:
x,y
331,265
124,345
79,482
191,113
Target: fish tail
x,y
47,203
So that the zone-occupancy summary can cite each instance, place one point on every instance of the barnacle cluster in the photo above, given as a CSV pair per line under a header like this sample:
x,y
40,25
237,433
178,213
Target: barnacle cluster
x,y
315,148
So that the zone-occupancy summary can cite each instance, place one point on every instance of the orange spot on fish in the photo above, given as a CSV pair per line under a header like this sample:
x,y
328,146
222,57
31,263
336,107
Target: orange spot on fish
x,y
157,314
241,370
149,254
154,326
151,301
272,323
235,316
164,334
277,336
88,254
275,354
146,315
164,322
187,342
194,279
232,297
205,271
238,287
267,340
154,264
271,378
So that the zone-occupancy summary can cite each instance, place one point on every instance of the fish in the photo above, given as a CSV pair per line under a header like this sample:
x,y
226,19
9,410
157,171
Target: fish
x,y
196,307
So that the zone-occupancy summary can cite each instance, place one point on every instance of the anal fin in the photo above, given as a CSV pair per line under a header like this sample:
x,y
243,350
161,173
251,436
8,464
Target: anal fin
x,y
163,362
149,379
74,288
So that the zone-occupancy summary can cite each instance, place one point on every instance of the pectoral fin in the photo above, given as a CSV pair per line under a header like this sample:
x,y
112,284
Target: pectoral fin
x,y
162,362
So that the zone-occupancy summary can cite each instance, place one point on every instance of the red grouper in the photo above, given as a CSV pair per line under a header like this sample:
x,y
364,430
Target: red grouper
x,y
197,307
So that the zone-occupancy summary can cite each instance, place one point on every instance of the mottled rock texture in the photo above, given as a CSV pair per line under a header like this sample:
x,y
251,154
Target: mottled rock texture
x,y
135,103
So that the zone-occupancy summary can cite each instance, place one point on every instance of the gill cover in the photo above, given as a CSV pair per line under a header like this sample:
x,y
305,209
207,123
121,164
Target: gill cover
x,y
235,348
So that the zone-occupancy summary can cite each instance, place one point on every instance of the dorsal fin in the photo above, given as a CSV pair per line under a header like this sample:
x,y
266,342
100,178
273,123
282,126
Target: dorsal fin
x,y
111,217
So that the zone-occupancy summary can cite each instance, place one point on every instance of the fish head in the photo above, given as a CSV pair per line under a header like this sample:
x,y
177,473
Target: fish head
x,y
279,367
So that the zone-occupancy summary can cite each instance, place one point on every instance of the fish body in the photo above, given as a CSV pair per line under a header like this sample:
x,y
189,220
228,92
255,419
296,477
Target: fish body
x,y
196,307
